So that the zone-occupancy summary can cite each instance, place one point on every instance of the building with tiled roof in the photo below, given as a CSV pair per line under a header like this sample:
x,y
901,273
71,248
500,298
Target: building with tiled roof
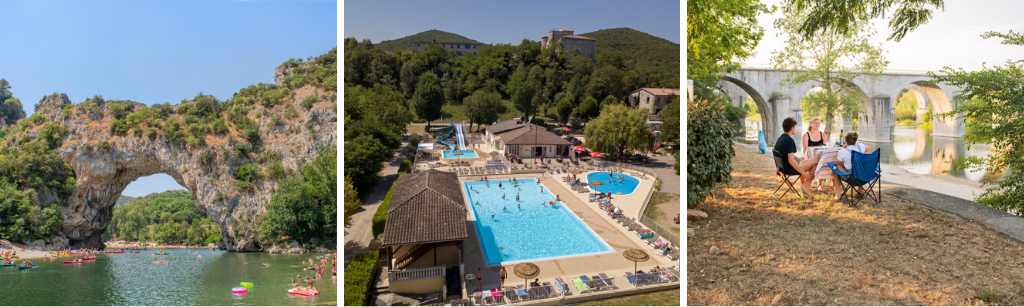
x,y
522,139
424,232
653,99
569,41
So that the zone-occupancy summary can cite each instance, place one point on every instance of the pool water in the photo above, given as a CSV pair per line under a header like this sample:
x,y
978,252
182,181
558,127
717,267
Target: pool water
x,y
528,229
466,154
625,186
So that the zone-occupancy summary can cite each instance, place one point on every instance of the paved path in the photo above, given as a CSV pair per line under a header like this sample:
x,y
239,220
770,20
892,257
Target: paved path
x,y
663,166
359,233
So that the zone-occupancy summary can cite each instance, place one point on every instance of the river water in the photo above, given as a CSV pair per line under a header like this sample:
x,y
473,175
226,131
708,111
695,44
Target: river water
x,y
133,279
916,150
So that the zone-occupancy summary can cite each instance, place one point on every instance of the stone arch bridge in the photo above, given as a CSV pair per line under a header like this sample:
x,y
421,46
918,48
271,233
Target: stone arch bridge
x,y
877,120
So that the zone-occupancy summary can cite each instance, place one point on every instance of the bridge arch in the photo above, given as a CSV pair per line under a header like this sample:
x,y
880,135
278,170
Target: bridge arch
x,y
764,107
940,97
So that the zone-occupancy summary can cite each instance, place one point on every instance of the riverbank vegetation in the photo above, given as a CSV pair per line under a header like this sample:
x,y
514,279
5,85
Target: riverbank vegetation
x,y
170,217
994,114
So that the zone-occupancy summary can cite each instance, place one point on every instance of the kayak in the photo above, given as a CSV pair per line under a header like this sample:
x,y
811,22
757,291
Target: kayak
x,y
26,267
239,290
3,265
302,292
71,262
89,258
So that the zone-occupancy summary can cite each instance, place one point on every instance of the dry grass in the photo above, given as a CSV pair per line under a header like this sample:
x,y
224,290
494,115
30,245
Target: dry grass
x,y
663,208
820,252
659,298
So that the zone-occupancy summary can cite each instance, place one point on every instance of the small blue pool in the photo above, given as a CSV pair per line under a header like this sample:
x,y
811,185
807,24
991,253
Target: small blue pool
x,y
466,154
513,230
617,183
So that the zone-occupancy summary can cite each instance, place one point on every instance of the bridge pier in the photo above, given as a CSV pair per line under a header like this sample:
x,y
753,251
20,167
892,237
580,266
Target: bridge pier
x,y
877,122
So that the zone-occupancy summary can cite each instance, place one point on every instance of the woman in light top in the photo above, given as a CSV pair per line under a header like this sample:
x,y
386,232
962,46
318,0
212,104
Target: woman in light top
x,y
814,136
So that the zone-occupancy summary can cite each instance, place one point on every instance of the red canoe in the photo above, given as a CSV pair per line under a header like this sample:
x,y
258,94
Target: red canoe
x,y
89,258
71,262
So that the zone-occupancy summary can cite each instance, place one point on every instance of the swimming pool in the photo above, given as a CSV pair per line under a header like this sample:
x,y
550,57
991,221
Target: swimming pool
x,y
466,154
514,231
625,186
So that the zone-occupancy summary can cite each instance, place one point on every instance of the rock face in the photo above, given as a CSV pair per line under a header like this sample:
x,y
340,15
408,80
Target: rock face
x,y
104,164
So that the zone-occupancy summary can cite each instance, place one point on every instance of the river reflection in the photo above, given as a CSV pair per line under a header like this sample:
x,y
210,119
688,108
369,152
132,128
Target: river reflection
x,y
916,150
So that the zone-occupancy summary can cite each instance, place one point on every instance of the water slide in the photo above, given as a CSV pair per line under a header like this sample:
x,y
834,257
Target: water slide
x,y
451,133
461,137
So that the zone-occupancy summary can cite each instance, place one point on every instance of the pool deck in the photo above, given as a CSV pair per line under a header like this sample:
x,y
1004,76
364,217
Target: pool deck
x,y
613,264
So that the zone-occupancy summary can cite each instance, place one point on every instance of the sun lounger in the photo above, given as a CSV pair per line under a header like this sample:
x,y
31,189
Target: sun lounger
x,y
673,255
521,292
510,294
581,286
632,279
562,288
607,280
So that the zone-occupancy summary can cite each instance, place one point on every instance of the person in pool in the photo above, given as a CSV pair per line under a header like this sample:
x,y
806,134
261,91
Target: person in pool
x,y
499,184
478,203
502,195
517,196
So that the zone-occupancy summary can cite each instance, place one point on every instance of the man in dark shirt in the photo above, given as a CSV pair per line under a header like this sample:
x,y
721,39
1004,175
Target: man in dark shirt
x,y
793,162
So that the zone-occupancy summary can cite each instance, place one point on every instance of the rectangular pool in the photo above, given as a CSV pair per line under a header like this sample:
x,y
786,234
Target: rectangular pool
x,y
514,231
466,154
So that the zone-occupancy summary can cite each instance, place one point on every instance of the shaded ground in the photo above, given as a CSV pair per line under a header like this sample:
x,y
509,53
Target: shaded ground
x,y
820,252
666,208
659,298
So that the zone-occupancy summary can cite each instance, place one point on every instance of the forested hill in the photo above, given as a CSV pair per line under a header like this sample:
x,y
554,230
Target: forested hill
x,y
659,54
407,43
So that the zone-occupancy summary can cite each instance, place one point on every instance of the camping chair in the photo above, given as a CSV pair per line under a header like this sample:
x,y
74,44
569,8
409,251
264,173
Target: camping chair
x,y
785,176
866,171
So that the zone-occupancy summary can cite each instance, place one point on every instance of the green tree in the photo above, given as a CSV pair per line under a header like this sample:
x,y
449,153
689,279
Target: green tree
x,y
587,109
670,121
986,99
410,75
839,16
830,59
10,107
522,89
719,33
428,98
483,107
906,107
618,128
352,201
564,110
305,205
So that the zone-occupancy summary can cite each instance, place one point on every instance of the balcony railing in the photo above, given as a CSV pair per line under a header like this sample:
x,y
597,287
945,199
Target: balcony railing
x,y
417,273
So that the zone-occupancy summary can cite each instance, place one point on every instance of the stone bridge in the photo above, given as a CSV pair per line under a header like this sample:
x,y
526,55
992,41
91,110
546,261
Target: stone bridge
x,y
775,101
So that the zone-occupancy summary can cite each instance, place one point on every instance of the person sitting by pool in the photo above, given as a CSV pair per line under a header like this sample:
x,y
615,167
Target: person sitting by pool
x,y
558,198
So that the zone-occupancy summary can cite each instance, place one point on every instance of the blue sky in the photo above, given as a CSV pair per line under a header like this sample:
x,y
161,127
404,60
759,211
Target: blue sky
x,y
155,51
507,21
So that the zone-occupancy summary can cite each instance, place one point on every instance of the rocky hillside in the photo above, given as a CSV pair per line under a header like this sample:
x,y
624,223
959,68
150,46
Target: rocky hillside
x,y
229,154
121,200
407,43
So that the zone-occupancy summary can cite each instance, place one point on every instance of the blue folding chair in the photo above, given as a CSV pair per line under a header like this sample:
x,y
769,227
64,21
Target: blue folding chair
x,y
785,174
865,171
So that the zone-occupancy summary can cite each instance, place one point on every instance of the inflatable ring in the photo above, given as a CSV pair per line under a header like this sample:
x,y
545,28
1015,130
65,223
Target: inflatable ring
x,y
239,290
245,284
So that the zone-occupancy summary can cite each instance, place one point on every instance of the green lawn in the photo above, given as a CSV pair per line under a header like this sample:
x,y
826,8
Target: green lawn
x,y
659,298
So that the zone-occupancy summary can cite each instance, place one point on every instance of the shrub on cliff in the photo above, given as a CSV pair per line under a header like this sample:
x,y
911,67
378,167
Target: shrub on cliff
x,y
305,204
22,221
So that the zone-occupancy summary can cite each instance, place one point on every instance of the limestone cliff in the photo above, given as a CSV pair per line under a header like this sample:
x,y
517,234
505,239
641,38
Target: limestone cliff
x,y
104,162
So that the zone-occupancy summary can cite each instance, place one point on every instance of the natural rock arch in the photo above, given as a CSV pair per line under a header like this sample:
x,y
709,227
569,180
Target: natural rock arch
x,y
104,164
